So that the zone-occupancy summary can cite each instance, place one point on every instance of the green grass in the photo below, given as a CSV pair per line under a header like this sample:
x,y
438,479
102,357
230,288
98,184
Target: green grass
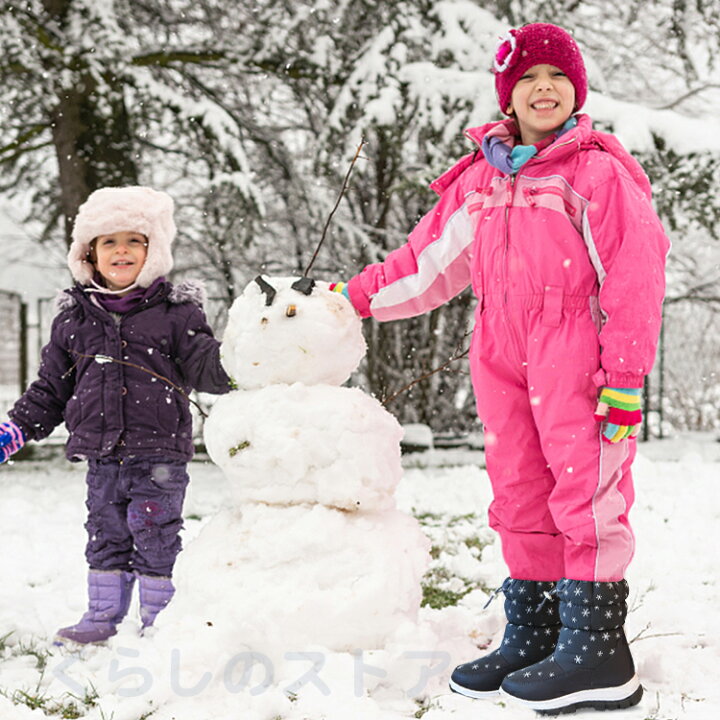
x,y
447,533
67,709
40,654
424,706
438,598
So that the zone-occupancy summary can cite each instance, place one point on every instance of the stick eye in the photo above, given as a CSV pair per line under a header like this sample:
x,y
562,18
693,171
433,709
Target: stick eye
x,y
304,285
269,291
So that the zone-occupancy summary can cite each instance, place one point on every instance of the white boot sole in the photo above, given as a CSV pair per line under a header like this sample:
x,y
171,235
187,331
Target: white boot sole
x,y
474,694
601,698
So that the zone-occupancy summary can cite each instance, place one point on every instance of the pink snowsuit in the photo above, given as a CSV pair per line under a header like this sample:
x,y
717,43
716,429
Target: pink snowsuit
x,y
567,260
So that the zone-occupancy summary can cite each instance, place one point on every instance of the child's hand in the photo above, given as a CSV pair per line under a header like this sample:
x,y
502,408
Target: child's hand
x,y
11,440
340,287
619,409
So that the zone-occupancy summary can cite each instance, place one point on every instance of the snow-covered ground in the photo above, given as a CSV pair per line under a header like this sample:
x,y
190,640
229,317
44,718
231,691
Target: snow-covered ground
x,y
672,623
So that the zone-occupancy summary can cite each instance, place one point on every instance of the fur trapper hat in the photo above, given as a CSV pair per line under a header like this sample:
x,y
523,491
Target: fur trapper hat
x,y
131,209
537,44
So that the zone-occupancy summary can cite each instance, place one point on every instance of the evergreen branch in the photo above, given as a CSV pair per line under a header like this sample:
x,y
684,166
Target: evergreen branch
x,y
337,204
457,356
169,58
44,36
165,58
107,358
300,69
34,130
13,68
24,151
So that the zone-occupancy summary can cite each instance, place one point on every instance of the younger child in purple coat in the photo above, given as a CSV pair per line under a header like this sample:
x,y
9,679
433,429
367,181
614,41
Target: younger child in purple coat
x,y
126,348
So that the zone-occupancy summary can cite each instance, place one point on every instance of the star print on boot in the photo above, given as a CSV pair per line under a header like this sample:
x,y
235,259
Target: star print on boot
x,y
591,666
530,635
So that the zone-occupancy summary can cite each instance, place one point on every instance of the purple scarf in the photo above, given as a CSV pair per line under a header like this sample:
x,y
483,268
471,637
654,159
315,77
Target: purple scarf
x,y
115,304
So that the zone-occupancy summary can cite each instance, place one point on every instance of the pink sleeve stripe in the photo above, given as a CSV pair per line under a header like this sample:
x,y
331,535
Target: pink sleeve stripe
x,y
442,272
443,287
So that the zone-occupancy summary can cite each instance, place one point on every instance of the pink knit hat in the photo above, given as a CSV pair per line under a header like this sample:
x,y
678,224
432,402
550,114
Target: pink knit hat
x,y
537,44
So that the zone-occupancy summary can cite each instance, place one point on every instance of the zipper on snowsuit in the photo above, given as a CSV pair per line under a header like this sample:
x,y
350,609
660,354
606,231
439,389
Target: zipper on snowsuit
x,y
506,249
511,329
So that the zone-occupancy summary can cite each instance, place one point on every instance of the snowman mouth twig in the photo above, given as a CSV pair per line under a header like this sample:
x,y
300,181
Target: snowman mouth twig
x,y
337,204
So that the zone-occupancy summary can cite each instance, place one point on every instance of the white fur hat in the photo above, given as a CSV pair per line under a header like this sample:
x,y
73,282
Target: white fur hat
x,y
132,209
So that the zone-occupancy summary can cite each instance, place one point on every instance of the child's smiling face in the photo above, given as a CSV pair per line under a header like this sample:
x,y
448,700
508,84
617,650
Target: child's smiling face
x,y
542,100
119,257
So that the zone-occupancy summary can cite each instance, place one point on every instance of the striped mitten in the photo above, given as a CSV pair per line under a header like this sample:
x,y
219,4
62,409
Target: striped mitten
x,y
12,439
340,287
619,408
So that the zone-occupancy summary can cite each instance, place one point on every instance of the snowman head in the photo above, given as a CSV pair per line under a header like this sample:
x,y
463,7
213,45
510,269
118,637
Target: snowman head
x,y
288,330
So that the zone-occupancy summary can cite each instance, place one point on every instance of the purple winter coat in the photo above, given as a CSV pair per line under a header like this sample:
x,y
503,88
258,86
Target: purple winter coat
x,y
114,410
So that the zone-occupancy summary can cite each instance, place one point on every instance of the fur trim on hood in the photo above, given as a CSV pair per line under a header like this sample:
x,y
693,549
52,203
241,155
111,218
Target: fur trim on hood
x,y
192,291
63,301
132,209
188,291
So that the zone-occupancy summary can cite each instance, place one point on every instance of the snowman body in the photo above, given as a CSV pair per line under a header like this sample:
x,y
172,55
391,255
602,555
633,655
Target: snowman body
x,y
311,549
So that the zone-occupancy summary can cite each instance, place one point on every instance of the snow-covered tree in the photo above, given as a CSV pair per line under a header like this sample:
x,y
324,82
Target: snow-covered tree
x,y
92,87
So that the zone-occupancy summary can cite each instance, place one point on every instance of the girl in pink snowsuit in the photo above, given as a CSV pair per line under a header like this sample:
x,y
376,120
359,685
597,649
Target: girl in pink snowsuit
x,y
551,224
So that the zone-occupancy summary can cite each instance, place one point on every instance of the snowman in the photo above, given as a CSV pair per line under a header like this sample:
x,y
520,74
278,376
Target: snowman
x,y
311,550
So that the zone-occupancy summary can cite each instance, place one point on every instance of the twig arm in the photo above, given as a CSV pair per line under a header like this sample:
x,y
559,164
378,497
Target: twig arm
x,y
107,358
337,204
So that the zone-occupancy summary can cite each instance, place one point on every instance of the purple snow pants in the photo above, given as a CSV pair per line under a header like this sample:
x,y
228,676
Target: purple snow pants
x,y
135,514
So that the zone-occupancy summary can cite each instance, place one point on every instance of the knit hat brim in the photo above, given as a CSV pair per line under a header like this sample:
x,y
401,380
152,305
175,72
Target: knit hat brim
x,y
537,44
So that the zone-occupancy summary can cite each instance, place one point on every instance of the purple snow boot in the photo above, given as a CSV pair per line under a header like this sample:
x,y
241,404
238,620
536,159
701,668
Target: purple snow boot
x,y
109,594
155,593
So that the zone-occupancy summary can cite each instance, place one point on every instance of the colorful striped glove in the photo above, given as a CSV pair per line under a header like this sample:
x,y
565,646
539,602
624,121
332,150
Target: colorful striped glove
x,y
340,287
619,409
12,439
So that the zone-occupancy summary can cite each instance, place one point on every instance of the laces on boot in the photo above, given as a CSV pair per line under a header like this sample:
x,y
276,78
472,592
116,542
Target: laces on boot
x,y
547,595
493,595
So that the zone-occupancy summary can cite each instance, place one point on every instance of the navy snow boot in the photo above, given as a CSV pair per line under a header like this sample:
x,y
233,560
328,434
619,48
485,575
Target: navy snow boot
x,y
591,666
530,635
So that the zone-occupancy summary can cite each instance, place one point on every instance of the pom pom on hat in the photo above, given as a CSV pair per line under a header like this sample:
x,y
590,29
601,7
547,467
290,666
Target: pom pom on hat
x,y
131,209
536,44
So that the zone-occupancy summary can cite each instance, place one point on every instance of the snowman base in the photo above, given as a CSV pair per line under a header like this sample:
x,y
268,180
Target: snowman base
x,y
302,575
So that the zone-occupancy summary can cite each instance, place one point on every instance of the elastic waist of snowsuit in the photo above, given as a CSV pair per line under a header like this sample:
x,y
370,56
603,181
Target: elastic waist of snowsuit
x,y
552,301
